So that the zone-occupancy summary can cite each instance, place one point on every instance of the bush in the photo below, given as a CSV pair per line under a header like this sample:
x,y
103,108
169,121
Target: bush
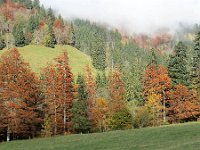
x,y
121,120
142,118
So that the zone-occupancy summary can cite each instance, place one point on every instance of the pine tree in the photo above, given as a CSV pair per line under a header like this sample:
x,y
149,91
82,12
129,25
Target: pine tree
x,y
98,50
50,40
36,4
177,66
101,83
80,119
72,38
196,65
51,17
19,36
154,59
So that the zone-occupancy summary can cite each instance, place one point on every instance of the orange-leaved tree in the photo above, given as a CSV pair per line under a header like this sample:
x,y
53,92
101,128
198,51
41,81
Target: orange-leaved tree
x,y
183,104
52,103
19,96
66,92
157,81
117,91
100,113
91,91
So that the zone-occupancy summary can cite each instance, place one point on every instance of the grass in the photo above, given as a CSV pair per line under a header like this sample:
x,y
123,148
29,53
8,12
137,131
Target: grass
x,y
172,137
38,57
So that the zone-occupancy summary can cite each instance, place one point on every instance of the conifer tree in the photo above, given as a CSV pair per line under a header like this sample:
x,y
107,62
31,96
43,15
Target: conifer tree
x,y
50,40
72,38
19,36
52,102
177,66
66,92
19,97
91,91
116,90
80,119
196,65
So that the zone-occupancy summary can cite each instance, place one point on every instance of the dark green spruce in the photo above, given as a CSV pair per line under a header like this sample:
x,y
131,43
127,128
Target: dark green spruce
x,y
80,120
177,66
196,64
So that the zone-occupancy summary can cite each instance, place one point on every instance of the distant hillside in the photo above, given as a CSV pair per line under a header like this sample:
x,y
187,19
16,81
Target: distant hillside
x,y
39,56
172,137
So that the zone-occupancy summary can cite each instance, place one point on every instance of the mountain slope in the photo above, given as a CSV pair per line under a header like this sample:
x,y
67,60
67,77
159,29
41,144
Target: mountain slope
x,y
173,137
39,56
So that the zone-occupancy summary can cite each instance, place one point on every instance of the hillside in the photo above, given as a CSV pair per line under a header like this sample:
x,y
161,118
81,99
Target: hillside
x,y
179,137
39,56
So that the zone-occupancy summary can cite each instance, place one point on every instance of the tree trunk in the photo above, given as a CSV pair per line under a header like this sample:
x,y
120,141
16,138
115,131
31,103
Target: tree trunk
x,y
55,121
8,134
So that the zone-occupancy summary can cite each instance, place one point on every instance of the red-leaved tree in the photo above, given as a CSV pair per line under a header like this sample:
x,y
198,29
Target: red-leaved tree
x,y
19,96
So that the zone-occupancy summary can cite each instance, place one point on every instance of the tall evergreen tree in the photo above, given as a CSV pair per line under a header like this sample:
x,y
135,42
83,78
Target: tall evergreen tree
x,y
50,40
72,38
50,17
98,52
36,4
19,36
196,65
154,59
177,66
80,119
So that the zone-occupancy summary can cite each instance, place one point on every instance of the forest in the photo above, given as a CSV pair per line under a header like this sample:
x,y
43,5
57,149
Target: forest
x,y
140,81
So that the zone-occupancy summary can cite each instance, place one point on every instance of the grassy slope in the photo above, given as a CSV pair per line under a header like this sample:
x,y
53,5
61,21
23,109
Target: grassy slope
x,y
39,56
176,137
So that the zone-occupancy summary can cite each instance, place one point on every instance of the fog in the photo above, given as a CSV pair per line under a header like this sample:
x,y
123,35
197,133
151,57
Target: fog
x,y
139,16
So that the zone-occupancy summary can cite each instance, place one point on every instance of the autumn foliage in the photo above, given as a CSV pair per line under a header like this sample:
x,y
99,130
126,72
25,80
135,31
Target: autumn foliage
x,y
19,96
183,105
58,90
157,81
117,91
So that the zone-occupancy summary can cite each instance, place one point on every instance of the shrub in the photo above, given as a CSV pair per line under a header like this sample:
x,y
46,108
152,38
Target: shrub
x,y
142,118
121,119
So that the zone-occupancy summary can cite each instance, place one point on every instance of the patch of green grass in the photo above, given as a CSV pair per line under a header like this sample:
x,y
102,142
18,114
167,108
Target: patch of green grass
x,y
39,56
172,137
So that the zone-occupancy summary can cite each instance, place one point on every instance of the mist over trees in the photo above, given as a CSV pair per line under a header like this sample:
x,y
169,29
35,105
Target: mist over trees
x,y
139,80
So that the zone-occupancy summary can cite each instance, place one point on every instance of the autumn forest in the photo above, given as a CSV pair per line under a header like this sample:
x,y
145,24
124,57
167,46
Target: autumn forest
x,y
133,81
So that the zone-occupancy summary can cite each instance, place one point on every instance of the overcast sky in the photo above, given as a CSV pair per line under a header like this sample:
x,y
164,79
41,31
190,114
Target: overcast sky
x,y
132,15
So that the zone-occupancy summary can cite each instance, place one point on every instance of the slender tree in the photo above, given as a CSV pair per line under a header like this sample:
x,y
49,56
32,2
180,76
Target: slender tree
x,y
157,81
80,119
19,36
52,101
66,91
117,91
91,90
196,65
178,65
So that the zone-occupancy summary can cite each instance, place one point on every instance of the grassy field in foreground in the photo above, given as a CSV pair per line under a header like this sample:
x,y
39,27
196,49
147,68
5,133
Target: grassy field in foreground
x,y
39,56
173,137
